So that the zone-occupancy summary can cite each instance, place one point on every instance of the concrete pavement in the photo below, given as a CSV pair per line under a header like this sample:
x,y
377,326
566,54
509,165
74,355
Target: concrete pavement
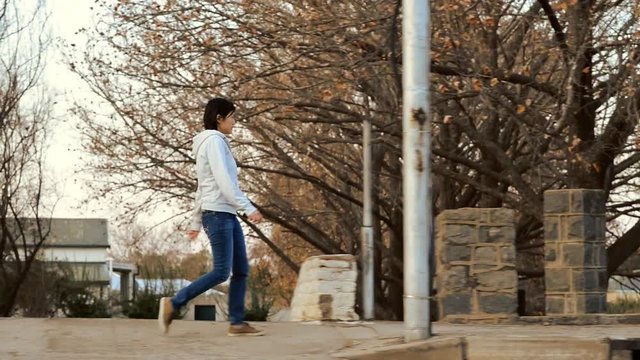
x,y
71,339
140,339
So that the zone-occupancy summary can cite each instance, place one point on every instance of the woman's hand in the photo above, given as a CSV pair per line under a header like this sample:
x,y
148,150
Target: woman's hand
x,y
193,234
255,217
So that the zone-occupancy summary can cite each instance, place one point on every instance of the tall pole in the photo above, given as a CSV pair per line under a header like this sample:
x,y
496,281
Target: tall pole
x,y
367,230
416,167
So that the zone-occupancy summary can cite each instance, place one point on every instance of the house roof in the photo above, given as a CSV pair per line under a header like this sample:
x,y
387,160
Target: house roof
x,y
71,232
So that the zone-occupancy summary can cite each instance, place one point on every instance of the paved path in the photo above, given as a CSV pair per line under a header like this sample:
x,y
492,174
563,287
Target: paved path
x,y
72,339
141,339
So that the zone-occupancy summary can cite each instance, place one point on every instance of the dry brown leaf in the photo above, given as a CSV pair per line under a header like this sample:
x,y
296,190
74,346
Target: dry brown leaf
x,y
489,22
596,167
560,6
326,95
576,141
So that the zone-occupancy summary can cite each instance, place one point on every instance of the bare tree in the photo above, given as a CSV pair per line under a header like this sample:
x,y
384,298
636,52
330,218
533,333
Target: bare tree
x,y
531,97
526,97
24,116
300,127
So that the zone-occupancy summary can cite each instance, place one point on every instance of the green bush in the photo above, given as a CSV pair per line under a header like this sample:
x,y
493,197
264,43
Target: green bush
x,y
146,302
257,313
40,291
145,306
262,299
81,303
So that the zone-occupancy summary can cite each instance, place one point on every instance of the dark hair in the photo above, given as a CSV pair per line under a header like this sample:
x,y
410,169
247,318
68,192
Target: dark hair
x,y
217,107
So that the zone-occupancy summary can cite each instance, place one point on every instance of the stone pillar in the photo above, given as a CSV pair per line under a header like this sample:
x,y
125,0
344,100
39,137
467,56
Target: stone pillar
x,y
326,289
575,254
476,275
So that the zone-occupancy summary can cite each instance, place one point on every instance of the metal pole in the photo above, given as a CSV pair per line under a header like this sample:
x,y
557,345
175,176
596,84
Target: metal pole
x,y
368,303
416,168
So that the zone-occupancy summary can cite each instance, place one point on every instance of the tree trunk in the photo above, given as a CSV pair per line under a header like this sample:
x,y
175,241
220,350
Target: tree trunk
x,y
623,248
377,156
8,299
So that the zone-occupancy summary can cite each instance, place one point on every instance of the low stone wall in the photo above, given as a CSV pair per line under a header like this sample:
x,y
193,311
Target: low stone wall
x,y
326,289
219,301
475,264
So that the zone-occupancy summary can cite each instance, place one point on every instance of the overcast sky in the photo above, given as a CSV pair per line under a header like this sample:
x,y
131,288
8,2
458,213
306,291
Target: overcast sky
x,y
64,155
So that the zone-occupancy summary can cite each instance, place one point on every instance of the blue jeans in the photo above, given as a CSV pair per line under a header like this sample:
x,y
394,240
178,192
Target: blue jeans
x,y
229,256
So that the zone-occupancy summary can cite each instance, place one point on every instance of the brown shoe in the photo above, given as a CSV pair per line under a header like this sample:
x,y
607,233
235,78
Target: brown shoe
x,y
165,314
244,329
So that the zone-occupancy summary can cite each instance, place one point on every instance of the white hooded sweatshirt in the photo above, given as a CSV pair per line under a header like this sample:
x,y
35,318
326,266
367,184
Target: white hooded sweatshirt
x,y
217,178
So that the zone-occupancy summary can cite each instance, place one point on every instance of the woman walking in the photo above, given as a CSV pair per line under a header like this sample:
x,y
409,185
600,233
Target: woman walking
x,y
218,199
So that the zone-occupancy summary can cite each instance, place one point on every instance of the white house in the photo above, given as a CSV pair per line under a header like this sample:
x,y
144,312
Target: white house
x,y
81,247
78,247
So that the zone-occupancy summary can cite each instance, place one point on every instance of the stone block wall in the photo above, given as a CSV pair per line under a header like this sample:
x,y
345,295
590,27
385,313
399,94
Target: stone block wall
x,y
326,289
575,253
475,264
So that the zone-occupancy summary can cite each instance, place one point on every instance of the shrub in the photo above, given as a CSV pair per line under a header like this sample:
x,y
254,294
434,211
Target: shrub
x,y
624,305
145,306
51,287
39,294
260,294
79,302
146,301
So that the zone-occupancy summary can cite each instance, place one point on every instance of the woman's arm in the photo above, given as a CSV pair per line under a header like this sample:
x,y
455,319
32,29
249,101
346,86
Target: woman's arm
x,y
196,215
